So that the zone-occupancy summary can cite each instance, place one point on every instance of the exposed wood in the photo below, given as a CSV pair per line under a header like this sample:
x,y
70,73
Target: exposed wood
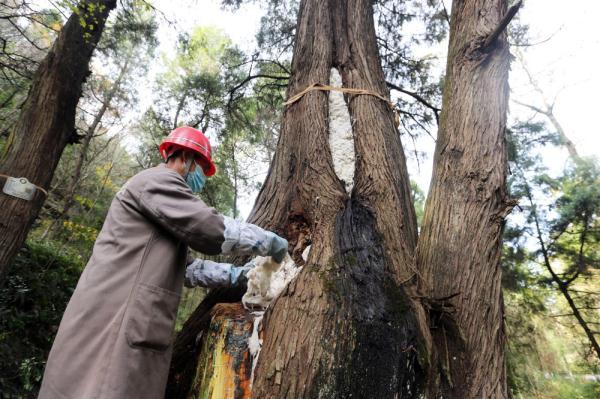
x,y
224,361
187,346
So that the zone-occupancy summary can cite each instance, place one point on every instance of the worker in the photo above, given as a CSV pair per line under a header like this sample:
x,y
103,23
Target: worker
x,y
115,337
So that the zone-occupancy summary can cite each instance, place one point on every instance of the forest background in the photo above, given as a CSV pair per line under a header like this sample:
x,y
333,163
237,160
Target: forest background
x,y
223,67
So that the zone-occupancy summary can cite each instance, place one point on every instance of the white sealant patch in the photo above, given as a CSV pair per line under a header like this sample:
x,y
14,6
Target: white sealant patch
x,y
341,139
265,282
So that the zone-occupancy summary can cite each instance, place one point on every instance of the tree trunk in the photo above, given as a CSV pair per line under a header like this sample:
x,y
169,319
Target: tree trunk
x,y
460,243
225,363
47,119
348,325
352,324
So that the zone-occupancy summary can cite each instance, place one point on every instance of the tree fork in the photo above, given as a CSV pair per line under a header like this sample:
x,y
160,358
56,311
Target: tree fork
x,y
47,120
348,325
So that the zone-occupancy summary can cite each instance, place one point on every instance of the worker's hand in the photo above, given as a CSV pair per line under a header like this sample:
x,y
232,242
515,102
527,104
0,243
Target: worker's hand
x,y
278,248
239,275
243,238
206,273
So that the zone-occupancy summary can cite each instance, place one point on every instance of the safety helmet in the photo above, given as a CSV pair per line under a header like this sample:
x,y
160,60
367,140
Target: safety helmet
x,y
188,138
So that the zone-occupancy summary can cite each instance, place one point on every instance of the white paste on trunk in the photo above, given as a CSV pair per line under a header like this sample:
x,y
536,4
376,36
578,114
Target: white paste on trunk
x,y
266,281
341,140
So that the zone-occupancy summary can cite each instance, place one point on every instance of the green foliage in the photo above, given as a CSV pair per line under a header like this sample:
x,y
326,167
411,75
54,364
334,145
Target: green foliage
x,y
555,227
540,351
418,197
32,301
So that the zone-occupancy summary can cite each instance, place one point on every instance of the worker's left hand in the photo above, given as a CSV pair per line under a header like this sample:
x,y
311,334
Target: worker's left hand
x,y
239,274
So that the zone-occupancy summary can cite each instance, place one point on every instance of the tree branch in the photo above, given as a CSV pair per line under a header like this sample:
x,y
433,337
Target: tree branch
x,y
417,97
510,14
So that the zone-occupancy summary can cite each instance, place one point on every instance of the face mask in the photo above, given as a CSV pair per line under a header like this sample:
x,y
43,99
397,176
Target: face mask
x,y
196,179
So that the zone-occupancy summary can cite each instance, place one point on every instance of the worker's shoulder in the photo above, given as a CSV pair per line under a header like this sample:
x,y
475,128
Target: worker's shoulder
x,y
160,173
157,175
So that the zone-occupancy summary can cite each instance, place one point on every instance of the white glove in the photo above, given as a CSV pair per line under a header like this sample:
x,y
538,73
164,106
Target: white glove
x,y
247,239
206,273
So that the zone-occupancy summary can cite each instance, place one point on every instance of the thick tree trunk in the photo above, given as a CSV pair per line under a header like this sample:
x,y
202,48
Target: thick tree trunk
x,y
460,243
351,323
46,122
348,325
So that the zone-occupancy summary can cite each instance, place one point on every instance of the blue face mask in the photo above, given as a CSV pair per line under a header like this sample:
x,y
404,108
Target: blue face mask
x,y
196,179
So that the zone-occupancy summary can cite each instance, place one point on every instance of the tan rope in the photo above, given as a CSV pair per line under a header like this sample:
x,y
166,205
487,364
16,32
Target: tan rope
x,y
358,92
36,186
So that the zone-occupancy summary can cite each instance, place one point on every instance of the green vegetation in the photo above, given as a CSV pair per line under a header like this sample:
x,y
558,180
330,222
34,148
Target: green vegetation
x,y
32,301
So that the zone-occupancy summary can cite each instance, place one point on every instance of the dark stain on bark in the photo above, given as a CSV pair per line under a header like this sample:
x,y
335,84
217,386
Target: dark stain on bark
x,y
381,360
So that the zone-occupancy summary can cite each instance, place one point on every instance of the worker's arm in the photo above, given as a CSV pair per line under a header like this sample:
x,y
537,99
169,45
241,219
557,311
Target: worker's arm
x,y
166,199
206,273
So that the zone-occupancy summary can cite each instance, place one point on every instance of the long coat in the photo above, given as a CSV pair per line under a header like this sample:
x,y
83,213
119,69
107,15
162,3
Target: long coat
x,y
114,340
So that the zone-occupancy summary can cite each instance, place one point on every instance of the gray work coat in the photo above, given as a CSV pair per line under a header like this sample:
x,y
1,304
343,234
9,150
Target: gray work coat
x,y
114,340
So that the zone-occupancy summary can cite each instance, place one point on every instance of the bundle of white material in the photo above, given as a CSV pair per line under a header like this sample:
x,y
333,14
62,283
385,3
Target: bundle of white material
x,y
267,280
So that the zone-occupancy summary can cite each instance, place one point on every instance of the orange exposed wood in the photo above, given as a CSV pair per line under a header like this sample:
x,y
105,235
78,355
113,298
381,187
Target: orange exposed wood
x,y
224,363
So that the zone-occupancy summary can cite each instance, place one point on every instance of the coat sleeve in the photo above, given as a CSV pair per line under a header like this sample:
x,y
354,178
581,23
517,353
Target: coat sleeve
x,y
168,201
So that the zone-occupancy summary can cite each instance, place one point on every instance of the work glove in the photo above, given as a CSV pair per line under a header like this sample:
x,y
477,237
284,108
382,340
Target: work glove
x,y
239,275
247,239
278,248
206,273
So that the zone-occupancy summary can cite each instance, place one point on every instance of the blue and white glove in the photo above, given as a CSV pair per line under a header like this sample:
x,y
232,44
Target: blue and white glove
x,y
247,239
278,248
239,275
209,274
206,273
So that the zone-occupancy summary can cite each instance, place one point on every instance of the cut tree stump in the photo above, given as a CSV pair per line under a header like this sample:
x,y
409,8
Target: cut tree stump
x,y
224,365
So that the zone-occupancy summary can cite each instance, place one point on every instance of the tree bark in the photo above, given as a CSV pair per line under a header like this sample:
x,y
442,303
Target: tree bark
x,y
348,325
460,243
352,323
47,119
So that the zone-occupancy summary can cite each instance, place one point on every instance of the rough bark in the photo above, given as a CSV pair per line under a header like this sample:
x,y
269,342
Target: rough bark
x,y
351,324
347,326
47,119
460,243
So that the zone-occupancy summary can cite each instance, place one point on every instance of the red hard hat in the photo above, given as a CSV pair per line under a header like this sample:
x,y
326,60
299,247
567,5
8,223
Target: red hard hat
x,y
188,138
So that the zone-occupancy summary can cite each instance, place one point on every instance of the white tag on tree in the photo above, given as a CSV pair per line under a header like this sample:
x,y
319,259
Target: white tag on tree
x,y
19,187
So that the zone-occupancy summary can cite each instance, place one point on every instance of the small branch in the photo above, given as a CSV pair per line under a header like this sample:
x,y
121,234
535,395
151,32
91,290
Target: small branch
x,y
491,39
417,97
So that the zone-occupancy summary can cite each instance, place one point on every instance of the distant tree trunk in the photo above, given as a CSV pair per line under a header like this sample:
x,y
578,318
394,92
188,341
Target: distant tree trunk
x,y
47,119
460,242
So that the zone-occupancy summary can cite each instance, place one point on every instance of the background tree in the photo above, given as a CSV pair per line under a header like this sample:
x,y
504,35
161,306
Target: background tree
x,y
47,118
124,54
